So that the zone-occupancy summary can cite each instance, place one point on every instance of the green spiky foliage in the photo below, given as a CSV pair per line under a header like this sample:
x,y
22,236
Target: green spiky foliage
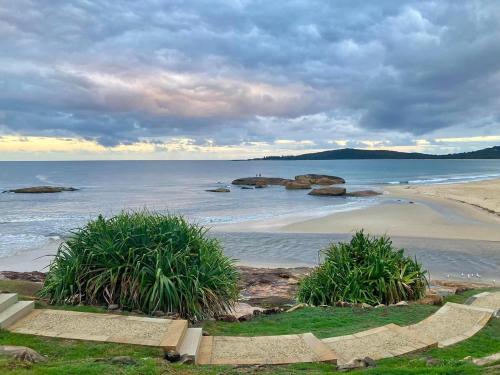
x,y
365,270
146,261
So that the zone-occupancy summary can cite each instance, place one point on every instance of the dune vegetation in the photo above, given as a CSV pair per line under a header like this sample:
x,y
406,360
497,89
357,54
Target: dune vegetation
x,y
365,270
143,261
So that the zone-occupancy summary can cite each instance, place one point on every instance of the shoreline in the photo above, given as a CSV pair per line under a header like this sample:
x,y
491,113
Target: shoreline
x,y
412,215
405,211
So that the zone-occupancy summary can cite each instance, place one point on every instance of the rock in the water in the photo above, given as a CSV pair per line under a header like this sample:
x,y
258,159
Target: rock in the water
x,y
219,190
246,188
260,185
363,193
294,185
254,181
21,353
328,192
320,179
41,189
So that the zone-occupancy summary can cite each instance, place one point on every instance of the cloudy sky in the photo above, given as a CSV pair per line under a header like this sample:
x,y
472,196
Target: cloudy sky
x,y
224,79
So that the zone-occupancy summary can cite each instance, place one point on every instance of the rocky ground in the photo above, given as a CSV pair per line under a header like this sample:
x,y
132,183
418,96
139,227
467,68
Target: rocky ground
x,y
268,287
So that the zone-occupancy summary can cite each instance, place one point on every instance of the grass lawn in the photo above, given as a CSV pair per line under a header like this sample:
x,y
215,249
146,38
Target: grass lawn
x,y
79,357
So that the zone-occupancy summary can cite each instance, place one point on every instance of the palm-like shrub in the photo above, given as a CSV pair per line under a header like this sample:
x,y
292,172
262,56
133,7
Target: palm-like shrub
x,y
146,261
365,270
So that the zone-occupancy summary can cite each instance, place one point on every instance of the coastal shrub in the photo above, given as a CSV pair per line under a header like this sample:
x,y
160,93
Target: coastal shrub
x,y
365,270
146,261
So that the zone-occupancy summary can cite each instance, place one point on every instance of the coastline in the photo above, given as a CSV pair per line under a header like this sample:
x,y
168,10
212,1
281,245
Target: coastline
x,y
469,211
424,219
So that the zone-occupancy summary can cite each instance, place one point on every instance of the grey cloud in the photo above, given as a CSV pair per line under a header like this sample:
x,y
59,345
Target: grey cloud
x,y
241,71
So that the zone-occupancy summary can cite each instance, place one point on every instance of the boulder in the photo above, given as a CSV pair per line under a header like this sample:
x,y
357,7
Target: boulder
x,y
219,190
41,189
431,298
357,363
254,181
260,185
363,193
328,192
320,179
294,185
21,353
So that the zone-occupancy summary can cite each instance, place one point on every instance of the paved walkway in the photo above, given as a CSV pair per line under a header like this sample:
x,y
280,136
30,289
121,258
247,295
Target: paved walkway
x,y
163,333
449,325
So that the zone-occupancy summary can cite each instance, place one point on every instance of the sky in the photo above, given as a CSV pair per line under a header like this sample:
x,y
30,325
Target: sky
x,y
155,79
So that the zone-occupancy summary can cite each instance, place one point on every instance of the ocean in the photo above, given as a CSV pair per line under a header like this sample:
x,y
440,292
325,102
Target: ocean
x,y
31,221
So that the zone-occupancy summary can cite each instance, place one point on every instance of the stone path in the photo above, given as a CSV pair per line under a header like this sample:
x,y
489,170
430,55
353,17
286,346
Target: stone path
x,y
449,325
486,299
452,323
382,342
164,333
266,350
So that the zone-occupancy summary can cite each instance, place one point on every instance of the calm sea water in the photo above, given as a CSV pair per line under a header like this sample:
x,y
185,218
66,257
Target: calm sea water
x,y
30,221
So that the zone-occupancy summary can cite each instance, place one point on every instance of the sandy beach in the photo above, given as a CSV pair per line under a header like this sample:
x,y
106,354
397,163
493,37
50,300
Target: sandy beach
x,y
454,211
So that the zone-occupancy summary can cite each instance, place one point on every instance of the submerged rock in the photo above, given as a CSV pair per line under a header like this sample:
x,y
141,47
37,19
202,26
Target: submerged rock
x,y
320,179
219,190
328,191
41,189
254,181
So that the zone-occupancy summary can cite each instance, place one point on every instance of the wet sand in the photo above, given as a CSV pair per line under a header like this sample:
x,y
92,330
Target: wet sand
x,y
406,211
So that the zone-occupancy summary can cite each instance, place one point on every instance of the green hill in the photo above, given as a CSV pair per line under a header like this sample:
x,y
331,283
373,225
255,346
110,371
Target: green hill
x,y
352,153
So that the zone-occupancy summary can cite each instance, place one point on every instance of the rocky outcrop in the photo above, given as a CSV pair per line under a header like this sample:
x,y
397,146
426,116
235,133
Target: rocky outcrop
x,y
270,286
328,192
254,181
294,185
21,353
363,193
219,190
320,179
41,189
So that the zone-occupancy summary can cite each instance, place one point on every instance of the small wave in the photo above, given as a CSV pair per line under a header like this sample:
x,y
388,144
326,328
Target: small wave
x,y
446,180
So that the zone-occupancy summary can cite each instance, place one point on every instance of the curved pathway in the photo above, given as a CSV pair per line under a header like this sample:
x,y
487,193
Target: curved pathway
x,y
450,324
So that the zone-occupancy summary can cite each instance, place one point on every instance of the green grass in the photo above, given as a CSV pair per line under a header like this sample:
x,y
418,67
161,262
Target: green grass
x,y
323,322
24,288
80,357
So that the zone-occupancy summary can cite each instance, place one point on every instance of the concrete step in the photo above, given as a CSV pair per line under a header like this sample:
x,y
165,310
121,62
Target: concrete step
x,y
191,343
6,300
15,312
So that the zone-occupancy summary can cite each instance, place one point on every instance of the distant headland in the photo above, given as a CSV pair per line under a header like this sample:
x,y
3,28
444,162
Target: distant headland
x,y
352,153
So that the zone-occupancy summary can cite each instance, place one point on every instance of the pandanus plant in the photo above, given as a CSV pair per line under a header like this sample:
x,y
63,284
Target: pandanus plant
x,y
146,261
365,270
